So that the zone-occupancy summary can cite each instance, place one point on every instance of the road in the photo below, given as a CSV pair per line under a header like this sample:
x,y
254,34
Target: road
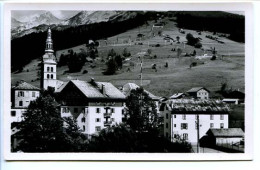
x,y
205,150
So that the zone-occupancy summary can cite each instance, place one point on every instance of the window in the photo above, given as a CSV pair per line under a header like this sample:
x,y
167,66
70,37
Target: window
x,y
174,125
51,76
221,125
211,117
185,136
167,135
166,115
112,110
174,116
184,117
33,94
211,125
175,135
84,128
48,69
20,94
97,119
123,111
98,110
20,103
221,117
48,76
63,110
13,113
83,119
166,125
51,69
76,110
112,119
184,126
98,128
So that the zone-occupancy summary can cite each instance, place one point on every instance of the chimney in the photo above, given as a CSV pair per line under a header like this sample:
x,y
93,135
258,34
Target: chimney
x,y
103,90
92,80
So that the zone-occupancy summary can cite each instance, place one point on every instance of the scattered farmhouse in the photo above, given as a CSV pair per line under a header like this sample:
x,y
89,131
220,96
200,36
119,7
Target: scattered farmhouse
x,y
199,93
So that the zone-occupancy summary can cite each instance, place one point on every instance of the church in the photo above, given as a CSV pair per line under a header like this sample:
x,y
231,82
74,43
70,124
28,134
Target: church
x,y
95,105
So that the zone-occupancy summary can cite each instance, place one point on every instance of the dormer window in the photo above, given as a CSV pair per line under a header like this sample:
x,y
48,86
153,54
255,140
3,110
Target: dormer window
x,y
20,94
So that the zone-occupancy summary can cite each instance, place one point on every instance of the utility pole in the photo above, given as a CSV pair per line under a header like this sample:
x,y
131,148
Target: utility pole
x,y
198,133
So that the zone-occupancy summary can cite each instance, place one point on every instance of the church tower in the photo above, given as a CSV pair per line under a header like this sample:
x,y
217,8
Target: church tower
x,y
48,70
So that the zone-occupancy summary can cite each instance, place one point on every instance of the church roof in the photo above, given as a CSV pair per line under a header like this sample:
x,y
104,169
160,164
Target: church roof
x,y
25,86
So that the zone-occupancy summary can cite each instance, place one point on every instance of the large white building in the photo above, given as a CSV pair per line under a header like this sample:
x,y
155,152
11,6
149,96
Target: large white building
x,y
189,118
95,105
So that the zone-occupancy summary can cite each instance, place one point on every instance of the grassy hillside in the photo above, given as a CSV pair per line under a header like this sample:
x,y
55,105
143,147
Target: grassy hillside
x,y
178,77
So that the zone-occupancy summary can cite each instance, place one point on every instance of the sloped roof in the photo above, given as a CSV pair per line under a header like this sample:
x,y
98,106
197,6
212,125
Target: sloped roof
x,y
130,86
25,86
92,91
195,89
197,105
230,132
176,95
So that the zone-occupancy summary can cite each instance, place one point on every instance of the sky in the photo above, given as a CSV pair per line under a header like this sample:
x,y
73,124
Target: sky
x,y
23,16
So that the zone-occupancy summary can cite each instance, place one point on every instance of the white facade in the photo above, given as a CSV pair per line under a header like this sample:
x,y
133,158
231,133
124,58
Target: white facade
x,y
91,119
22,98
203,94
17,114
185,125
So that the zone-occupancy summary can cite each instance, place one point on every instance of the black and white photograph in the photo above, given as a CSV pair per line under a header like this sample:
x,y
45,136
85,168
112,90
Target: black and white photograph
x,y
135,81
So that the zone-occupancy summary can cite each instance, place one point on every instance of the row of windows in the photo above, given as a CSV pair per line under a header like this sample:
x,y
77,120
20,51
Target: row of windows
x,y
184,117
49,76
49,46
202,93
76,110
83,120
50,69
21,103
185,125
21,94
184,136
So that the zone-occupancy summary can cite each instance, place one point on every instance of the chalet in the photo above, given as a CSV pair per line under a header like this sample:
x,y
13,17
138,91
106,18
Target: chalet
x,y
184,118
199,93
21,96
95,105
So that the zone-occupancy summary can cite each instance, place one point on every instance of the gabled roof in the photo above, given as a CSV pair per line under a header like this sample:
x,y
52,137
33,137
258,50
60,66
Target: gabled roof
x,y
131,86
195,89
25,86
95,91
230,132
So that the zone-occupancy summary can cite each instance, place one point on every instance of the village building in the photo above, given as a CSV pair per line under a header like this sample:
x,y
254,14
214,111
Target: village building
x,y
21,96
190,119
199,93
222,137
95,105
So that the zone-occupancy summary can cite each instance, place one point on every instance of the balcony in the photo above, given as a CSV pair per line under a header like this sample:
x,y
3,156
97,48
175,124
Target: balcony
x,y
107,114
107,123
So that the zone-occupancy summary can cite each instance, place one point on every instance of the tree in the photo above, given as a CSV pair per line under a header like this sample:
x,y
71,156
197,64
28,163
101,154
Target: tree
x,y
179,51
119,61
111,53
111,67
191,40
141,111
126,53
42,129
149,51
178,39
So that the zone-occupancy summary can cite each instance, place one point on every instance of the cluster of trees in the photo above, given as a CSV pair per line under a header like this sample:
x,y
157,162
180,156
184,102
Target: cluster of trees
x,y
193,41
115,61
44,130
74,61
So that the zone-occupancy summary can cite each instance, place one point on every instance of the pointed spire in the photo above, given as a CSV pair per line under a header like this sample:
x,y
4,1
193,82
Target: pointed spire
x,y
49,45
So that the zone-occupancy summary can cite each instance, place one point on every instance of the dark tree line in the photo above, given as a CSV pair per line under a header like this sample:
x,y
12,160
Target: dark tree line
x,y
214,21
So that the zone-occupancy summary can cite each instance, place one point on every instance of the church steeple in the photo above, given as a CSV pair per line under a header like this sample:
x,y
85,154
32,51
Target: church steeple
x,y
49,45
